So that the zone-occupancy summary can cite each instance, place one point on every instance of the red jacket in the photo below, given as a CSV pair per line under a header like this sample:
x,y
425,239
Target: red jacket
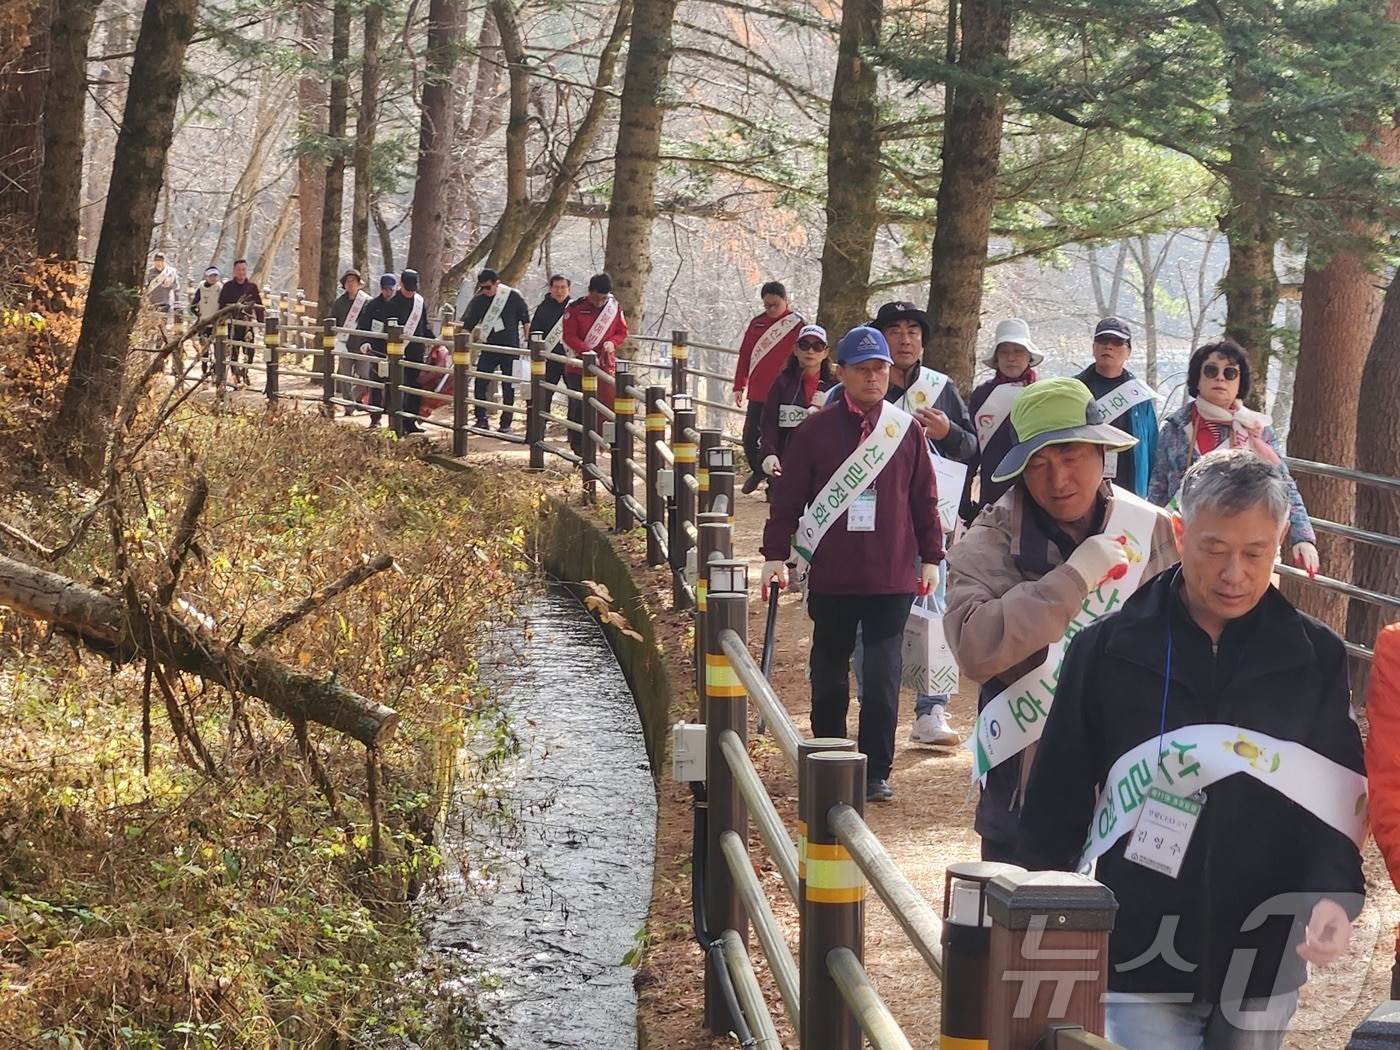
x,y
1383,749
578,321
906,508
772,363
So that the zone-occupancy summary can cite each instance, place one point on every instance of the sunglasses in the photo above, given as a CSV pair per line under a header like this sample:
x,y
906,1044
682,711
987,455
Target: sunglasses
x,y
1214,371
1110,340
811,346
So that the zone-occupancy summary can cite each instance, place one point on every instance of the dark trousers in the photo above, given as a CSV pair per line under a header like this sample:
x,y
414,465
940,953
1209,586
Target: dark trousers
x,y
753,436
880,618
574,381
491,361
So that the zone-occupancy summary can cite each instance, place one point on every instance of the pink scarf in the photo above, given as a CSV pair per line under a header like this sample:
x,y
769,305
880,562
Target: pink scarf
x,y
1245,428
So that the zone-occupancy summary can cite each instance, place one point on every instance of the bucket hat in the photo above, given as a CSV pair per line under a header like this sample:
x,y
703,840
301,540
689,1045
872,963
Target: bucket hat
x,y
1056,412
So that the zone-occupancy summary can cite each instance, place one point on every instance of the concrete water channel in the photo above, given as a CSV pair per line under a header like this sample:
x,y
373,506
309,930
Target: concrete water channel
x,y
547,898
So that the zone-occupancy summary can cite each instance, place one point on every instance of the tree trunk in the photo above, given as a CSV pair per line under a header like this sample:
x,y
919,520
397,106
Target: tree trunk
x,y
366,124
967,190
1378,452
1107,304
95,380
61,186
515,213
563,181
104,624
311,173
337,118
427,238
632,211
852,171
24,72
1341,307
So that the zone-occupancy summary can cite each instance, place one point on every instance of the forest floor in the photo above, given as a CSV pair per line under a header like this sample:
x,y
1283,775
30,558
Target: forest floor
x,y
927,827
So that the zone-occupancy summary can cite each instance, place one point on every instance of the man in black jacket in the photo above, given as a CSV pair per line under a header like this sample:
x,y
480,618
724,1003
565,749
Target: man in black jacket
x,y
1202,741
548,324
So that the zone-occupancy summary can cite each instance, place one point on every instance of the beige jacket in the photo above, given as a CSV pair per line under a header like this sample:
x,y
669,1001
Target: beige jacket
x,y
1002,611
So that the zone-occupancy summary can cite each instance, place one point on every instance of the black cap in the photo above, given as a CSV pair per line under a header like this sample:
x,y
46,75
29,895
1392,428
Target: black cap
x,y
409,280
902,311
1114,326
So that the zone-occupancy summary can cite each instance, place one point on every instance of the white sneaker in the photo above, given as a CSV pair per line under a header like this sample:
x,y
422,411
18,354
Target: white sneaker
x,y
933,728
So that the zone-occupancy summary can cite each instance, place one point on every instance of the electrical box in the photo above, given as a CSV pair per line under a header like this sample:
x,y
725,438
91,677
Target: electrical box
x,y
691,572
609,431
687,753
665,483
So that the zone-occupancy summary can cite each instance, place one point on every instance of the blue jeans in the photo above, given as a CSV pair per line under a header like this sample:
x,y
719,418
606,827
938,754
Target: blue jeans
x,y
1147,1023
923,703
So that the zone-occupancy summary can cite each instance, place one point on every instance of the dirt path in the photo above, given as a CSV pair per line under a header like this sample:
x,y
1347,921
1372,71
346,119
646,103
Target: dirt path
x,y
926,828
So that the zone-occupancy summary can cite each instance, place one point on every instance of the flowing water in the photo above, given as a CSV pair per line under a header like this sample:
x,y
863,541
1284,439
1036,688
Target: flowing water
x,y
548,903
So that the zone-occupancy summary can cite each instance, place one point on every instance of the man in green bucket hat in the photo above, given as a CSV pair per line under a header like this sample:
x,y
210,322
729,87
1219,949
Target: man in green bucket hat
x,y
1060,548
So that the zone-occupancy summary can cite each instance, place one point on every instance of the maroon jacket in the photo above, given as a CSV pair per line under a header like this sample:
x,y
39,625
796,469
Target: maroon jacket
x,y
906,508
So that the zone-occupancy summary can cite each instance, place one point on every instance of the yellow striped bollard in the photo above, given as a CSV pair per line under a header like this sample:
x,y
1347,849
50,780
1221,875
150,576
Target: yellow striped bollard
x,y
656,501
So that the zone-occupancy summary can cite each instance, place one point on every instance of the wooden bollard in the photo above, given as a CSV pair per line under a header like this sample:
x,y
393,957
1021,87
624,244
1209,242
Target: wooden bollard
x,y
1049,956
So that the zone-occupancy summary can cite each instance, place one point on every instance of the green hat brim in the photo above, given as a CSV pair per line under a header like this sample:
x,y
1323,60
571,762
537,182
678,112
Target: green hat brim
x,y
1111,438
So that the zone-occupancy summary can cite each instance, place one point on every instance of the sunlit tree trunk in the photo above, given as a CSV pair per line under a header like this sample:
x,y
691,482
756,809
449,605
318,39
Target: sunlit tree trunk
x,y
337,120
311,172
366,124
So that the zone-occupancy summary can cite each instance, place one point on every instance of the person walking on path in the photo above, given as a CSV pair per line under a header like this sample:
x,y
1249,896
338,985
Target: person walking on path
x,y
799,390
502,311
1203,749
240,291
374,321
1383,760
1126,402
1060,548
547,324
346,310
162,286
1218,381
593,323
413,315
1014,357
767,344
204,304
857,500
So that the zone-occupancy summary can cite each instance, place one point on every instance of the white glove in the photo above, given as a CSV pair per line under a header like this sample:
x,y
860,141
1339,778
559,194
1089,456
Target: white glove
x,y
772,570
818,398
928,579
1305,557
771,466
1097,559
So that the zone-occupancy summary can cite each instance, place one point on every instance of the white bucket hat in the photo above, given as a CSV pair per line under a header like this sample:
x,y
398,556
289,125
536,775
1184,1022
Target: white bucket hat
x,y
1013,330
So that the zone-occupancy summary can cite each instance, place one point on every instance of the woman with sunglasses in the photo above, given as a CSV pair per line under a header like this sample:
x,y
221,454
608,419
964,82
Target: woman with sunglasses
x,y
1218,380
799,390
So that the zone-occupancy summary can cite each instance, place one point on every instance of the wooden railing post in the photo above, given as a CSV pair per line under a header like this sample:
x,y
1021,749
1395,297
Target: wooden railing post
x,y
327,356
683,445
708,440
716,543
393,394
726,708
588,449
461,361
271,339
221,359
624,409
1049,951
680,353
967,940
831,893
539,399
656,502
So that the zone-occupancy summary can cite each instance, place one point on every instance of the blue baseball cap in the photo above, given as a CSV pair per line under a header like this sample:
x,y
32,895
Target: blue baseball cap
x,y
388,280
862,344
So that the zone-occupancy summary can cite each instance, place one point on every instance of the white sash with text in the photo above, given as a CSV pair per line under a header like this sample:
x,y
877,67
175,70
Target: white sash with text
x,y
771,337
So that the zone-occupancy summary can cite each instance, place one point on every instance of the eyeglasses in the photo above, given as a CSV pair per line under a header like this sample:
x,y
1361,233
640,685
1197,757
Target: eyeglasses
x,y
1214,371
1110,340
811,346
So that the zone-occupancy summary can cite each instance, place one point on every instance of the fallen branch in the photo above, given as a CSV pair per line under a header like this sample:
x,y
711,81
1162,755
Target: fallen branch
x,y
314,601
101,622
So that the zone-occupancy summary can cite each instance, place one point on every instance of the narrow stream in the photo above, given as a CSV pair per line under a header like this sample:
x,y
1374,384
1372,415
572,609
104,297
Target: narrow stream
x,y
554,898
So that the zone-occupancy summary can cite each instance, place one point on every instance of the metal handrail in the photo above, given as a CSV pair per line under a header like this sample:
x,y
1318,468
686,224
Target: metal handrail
x,y
765,924
869,1009
920,922
1327,470
760,692
761,808
736,958
1341,587
1376,539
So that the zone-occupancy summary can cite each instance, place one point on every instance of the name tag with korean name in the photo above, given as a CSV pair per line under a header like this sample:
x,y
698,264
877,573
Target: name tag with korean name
x,y
1164,828
1110,464
791,415
861,516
